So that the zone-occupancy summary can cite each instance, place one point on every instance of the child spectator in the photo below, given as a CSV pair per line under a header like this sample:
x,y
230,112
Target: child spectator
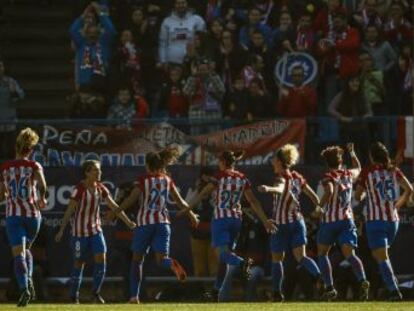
x,y
87,104
130,61
171,99
236,102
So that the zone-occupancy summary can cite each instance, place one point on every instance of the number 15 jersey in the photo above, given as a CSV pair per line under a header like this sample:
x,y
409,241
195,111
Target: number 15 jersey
x,y
17,177
155,189
382,188
230,188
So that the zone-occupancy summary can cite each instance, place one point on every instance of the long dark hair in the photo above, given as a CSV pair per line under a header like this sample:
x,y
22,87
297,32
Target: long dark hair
x,y
157,161
379,154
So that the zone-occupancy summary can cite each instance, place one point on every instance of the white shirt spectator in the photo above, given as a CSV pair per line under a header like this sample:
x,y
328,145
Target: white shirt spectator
x,y
176,32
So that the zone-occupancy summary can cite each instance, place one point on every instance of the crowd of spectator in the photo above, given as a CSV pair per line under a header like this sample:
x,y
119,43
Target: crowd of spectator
x,y
215,59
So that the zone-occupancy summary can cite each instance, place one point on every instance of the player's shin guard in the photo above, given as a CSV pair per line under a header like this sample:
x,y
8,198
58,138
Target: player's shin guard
x,y
326,270
311,266
135,279
277,276
98,277
76,280
20,269
388,275
357,267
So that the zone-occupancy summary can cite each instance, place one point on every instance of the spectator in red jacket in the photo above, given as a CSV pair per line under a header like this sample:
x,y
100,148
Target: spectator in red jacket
x,y
298,101
341,55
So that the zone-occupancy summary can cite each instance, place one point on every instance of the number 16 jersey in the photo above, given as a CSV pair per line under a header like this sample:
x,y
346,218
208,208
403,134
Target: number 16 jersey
x,y
155,189
17,177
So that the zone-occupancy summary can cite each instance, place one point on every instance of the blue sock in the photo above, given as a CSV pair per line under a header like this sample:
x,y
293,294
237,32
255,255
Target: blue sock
x,y
251,287
98,277
166,263
29,263
357,267
311,266
225,290
230,258
388,275
326,270
76,280
277,276
135,278
20,269
221,273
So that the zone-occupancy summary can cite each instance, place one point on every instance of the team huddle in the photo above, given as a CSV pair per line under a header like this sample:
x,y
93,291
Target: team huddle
x,y
23,186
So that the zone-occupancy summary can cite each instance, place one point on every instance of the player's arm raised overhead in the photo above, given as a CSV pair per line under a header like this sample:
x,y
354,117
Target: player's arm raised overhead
x,y
257,207
129,201
121,215
355,164
72,206
408,191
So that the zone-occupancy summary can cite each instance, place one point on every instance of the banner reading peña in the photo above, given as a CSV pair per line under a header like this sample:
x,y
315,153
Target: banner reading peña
x,y
62,146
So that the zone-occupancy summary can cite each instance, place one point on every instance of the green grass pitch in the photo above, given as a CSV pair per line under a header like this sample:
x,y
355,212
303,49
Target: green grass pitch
x,y
368,306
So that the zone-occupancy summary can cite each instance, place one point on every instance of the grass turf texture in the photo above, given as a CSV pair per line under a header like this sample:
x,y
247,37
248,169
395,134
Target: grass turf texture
x,y
351,306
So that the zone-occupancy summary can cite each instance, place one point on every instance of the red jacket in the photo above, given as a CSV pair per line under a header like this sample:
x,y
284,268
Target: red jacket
x,y
347,49
299,103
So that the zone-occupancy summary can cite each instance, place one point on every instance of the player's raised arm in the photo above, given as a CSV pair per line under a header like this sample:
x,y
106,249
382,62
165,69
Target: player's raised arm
x,y
72,206
355,163
121,215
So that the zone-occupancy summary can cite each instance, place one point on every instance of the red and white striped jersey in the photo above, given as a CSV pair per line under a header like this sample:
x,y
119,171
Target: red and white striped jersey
x,y
339,207
286,205
87,219
230,188
17,177
382,188
155,189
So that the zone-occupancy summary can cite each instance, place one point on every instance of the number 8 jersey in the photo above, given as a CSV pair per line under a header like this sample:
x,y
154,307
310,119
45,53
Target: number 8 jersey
x,y
382,188
18,179
155,189
230,188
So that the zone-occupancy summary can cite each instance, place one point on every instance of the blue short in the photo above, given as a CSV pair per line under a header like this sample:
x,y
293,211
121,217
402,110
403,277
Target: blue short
x,y
381,233
288,236
83,246
156,236
340,232
225,232
21,230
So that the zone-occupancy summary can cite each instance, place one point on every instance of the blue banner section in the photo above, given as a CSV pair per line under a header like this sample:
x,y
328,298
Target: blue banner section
x,y
57,257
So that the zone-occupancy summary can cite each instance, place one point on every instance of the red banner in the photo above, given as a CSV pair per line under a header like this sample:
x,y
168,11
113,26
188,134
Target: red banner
x,y
113,147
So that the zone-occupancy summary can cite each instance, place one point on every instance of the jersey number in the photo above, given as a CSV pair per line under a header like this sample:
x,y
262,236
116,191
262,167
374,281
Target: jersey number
x,y
232,197
157,195
386,190
20,189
